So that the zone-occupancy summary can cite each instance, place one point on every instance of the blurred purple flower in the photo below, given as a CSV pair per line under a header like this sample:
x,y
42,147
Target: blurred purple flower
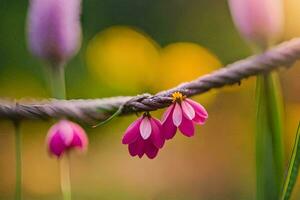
x,y
64,136
259,21
144,136
182,114
54,30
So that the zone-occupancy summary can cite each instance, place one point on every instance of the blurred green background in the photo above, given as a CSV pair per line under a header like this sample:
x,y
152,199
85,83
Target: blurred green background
x,y
131,47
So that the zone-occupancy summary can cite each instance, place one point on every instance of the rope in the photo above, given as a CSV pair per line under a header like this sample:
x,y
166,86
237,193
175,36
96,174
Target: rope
x,y
95,110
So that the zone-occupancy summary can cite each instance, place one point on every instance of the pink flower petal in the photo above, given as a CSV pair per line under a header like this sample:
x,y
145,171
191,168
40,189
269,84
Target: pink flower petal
x,y
156,135
66,131
142,144
200,110
136,148
145,128
132,132
188,110
199,119
142,151
177,115
187,127
76,142
168,128
80,138
167,113
150,150
56,145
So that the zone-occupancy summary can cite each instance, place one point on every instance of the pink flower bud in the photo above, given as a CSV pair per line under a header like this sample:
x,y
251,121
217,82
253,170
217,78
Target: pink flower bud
x,y
64,136
259,21
54,31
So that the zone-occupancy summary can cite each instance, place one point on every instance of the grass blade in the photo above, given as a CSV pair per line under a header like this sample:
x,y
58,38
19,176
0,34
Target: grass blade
x,y
293,169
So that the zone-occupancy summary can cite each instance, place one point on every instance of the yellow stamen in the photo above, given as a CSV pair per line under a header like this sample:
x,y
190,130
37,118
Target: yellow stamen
x,y
178,97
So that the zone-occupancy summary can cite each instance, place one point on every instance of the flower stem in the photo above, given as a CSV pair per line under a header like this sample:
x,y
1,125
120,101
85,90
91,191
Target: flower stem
x,y
58,87
59,92
269,143
65,176
18,152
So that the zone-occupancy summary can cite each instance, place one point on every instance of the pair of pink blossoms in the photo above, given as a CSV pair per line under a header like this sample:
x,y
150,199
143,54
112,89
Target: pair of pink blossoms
x,y
147,134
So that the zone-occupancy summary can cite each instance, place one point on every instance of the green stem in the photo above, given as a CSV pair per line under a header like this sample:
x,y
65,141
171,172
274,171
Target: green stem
x,y
18,151
58,82
269,143
59,92
65,176
275,111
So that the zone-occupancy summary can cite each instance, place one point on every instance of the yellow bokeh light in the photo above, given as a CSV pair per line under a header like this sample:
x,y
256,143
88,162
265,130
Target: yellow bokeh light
x,y
292,17
181,62
123,57
292,116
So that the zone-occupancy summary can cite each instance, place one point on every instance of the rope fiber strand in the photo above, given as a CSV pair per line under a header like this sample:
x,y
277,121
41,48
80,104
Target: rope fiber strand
x,y
94,110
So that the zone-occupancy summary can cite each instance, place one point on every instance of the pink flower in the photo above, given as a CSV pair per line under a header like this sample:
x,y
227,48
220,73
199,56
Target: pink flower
x,y
259,21
64,136
144,136
182,114
54,29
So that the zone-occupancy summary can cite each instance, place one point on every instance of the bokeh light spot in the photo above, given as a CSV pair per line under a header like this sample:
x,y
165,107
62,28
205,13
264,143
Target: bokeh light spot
x,y
123,57
292,17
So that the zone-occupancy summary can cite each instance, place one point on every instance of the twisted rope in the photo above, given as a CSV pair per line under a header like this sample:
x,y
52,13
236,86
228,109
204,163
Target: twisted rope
x,y
92,110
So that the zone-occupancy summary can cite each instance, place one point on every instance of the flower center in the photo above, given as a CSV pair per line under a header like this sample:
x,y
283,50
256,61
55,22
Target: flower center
x,y
178,97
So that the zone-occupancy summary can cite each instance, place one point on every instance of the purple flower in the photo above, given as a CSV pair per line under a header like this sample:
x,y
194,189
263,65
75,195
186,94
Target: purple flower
x,y
259,21
64,136
182,114
54,29
144,136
